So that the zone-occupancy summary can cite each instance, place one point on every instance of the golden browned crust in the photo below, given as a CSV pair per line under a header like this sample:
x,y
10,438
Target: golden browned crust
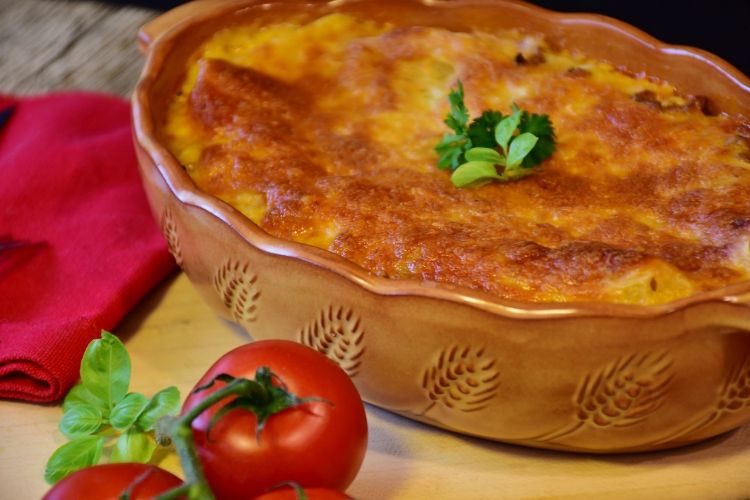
x,y
644,186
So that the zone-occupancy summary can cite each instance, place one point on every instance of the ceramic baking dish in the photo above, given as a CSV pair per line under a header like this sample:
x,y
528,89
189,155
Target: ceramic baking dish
x,y
593,377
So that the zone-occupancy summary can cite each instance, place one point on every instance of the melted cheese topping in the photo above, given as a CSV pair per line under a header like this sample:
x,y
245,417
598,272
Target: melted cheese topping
x,y
323,133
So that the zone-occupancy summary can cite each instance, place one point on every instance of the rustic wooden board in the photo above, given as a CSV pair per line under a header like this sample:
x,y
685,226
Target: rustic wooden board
x,y
173,337
50,45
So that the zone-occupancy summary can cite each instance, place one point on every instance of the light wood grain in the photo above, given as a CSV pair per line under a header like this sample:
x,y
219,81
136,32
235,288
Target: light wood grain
x,y
173,336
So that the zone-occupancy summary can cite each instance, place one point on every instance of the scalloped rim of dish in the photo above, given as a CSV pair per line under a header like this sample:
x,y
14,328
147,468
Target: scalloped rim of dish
x,y
183,188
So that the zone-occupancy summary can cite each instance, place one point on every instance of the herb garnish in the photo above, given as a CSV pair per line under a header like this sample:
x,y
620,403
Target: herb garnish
x,y
516,143
99,412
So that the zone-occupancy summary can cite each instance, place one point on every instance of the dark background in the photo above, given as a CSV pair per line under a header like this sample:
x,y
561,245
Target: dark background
x,y
718,26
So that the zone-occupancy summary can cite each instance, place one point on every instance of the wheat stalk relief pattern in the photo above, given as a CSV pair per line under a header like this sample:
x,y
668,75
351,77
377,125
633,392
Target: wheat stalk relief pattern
x,y
621,394
169,230
735,392
733,396
237,287
460,378
337,333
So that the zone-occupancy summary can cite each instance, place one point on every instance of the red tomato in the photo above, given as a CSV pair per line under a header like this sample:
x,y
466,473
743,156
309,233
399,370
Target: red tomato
x,y
317,444
288,493
109,481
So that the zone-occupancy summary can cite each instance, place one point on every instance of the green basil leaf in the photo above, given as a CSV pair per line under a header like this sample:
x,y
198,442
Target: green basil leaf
x,y
164,402
484,154
519,148
474,173
79,395
133,446
81,420
105,369
505,129
125,413
72,456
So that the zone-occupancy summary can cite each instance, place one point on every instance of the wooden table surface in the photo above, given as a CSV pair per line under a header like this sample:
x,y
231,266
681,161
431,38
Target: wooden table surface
x,y
173,337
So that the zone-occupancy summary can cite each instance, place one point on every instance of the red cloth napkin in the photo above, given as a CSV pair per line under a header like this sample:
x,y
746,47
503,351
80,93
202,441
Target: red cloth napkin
x,y
79,246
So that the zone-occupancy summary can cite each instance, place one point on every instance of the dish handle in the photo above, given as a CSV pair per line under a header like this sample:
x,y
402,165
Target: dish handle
x,y
739,317
168,20
731,312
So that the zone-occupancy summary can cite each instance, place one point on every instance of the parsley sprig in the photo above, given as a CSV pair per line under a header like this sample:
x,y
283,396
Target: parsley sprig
x,y
492,146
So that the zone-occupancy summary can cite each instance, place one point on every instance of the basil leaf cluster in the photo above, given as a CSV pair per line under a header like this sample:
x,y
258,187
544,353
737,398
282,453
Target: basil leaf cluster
x,y
101,418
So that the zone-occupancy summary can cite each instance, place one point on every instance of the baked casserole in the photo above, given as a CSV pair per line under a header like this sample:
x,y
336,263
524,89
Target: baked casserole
x,y
322,132
598,304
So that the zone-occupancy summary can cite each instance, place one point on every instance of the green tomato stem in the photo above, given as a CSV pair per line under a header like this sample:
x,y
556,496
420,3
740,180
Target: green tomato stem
x,y
179,492
196,487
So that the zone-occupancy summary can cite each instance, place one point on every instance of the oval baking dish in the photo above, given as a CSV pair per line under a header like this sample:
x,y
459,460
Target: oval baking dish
x,y
597,377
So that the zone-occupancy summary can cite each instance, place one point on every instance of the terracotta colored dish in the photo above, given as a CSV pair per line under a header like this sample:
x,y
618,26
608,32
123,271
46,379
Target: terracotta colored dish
x,y
579,376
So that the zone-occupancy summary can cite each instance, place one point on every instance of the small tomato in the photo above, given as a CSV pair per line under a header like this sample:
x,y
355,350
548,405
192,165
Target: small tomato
x,y
316,444
109,481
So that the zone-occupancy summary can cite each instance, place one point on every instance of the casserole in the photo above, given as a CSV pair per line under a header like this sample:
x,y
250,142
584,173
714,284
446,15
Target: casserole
x,y
336,149
591,376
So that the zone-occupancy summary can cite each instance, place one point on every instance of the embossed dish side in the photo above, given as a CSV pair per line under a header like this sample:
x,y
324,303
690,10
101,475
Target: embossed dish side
x,y
580,377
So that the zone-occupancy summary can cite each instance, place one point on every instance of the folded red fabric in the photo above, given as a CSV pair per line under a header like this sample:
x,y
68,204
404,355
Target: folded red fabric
x,y
78,245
